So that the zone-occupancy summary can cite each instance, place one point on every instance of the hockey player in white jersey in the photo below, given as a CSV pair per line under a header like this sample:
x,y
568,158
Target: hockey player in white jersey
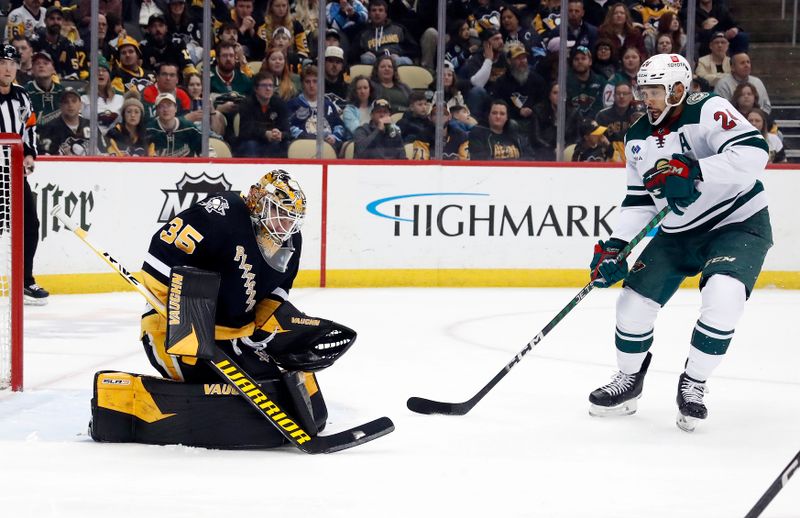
x,y
697,154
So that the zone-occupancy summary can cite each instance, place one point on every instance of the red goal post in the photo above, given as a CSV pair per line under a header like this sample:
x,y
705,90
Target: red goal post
x,y
12,271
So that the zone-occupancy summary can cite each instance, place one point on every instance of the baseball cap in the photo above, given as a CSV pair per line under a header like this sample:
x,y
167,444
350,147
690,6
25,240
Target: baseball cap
x,y
718,34
333,33
157,17
516,51
591,127
282,30
334,52
42,54
9,52
165,96
69,90
53,9
580,49
380,104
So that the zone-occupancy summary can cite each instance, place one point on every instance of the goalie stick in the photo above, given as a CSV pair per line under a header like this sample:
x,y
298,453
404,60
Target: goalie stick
x,y
244,383
428,406
776,486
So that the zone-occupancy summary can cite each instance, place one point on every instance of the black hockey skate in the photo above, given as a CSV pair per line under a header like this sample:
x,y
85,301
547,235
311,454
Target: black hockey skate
x,y
34,295
619,397
690,402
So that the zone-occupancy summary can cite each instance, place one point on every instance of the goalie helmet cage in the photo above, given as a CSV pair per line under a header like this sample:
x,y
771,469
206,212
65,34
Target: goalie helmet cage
x,y
11,260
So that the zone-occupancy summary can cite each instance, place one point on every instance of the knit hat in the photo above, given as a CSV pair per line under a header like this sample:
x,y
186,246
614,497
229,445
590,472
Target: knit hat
x,y
103,62
132,99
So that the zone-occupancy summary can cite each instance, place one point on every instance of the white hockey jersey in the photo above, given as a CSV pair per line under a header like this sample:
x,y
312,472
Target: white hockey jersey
x,y
23,22
732,156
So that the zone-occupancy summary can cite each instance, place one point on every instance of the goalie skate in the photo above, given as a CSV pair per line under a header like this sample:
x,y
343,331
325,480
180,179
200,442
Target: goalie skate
x,y
620,396
691,409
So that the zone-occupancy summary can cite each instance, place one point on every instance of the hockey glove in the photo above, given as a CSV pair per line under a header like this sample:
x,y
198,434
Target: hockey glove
x,y
675,181
605,270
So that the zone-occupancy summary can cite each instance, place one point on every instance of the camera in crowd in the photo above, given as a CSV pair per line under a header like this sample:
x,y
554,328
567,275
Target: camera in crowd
x,y
229,97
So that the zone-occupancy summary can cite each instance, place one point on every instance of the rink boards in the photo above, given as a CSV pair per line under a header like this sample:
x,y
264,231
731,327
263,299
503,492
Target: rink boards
x,y
395,224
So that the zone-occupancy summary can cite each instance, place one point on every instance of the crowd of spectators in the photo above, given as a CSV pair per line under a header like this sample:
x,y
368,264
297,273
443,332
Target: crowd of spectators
x,y
500,75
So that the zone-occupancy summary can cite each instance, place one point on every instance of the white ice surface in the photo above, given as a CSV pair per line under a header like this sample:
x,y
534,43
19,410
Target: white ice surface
x,y
528,449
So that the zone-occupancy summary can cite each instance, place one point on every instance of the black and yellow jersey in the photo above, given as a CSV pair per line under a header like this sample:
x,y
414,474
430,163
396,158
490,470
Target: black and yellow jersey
x,y
216,234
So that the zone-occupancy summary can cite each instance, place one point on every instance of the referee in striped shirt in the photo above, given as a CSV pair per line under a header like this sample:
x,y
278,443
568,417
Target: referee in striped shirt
x,y
17,116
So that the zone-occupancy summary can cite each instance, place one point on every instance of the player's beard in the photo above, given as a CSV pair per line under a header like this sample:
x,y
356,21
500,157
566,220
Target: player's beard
x,y
653,115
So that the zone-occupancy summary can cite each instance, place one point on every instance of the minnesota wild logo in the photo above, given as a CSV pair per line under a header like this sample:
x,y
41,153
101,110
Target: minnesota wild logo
x,y
661,134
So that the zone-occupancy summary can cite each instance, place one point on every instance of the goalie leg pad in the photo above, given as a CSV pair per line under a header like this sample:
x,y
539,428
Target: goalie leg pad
x,y
145,409
191,312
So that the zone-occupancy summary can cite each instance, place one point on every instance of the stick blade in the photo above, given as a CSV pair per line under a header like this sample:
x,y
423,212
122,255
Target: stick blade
x,y
350,438
427,406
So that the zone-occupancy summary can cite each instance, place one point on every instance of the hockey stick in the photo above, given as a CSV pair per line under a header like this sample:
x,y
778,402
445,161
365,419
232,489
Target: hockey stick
x,y
776,486
428,406
244,383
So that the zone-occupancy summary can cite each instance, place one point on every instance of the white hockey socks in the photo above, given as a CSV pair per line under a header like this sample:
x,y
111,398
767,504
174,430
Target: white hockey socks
x,y
634,334
723,305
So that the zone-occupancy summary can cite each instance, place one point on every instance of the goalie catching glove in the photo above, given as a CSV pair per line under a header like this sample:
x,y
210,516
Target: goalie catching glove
x,y
605,270
298,342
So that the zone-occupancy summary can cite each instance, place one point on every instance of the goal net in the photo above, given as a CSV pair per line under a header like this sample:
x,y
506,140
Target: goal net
x,y
11,261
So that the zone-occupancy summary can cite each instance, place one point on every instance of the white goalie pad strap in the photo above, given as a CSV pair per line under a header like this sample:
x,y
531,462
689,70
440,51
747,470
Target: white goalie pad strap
x,y
157,265
281,293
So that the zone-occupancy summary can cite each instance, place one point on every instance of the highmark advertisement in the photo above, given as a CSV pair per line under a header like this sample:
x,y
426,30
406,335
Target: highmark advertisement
x,y
472,217
374,225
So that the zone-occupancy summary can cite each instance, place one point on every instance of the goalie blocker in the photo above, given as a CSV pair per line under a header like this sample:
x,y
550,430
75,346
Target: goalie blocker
x,y
130,407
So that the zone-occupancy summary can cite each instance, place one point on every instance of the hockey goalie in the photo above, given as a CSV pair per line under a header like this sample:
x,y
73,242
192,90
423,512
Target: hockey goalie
x,y
223,268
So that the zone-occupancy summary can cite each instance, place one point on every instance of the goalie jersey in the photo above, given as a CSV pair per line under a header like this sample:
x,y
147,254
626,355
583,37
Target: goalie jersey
x,y
216,234
732,155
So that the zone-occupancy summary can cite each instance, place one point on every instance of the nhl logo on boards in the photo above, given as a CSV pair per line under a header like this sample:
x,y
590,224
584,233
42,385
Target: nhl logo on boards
x,y
189,190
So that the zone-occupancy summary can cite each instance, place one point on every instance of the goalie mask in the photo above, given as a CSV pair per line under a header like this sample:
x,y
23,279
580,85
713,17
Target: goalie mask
x,y
277,208
665,71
